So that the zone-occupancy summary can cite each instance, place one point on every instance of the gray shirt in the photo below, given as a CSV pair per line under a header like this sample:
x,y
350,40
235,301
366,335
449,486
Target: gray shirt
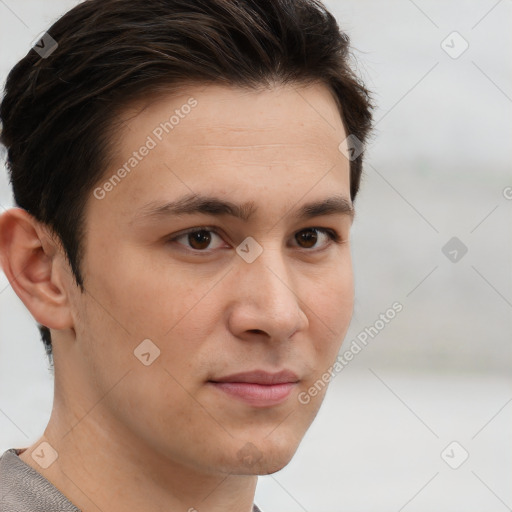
x,y
23,489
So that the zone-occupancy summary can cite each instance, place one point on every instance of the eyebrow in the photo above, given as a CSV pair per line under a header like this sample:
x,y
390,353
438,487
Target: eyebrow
x,y
196,204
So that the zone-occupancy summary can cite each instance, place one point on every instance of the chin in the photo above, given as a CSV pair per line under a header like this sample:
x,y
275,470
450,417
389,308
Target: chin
x,y
264,458
273,467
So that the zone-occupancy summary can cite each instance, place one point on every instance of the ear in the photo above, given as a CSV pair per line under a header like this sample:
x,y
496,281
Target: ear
x,y
34,266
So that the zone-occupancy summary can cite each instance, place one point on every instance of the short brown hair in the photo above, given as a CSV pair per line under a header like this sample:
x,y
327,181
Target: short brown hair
x,y
59,110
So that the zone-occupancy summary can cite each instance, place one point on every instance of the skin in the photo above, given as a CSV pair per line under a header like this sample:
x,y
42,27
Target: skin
x,y
160,437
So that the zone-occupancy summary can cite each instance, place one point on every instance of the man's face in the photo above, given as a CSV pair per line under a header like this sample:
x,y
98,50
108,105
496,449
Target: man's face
x,y
212,311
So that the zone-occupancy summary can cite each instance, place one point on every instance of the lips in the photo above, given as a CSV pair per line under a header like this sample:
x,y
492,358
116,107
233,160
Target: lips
x,y
257,388
261,377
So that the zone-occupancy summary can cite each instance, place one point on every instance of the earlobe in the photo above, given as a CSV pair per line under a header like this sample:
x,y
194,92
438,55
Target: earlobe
x,y
30,260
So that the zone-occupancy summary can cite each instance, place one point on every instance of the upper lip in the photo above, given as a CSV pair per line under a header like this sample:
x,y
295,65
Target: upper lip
x,y
260,377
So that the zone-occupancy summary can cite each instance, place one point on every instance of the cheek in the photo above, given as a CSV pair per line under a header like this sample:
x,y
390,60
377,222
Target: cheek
x,y
330,315
131,303
137,296
329,308
331,299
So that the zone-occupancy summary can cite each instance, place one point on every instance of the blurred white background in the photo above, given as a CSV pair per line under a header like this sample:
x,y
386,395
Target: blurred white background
x,y
438,167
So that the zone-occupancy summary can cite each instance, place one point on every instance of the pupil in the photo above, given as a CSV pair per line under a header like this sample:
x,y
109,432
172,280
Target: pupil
x,y
309,236
200,239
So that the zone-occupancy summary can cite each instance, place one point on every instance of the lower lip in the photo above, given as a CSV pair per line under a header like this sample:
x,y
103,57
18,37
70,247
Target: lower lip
x,y
258,395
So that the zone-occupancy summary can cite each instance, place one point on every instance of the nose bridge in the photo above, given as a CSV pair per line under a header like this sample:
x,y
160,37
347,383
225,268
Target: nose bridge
x,y
270,269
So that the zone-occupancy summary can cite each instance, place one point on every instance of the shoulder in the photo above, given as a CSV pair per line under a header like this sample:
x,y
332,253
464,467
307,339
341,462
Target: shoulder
x,y
23,489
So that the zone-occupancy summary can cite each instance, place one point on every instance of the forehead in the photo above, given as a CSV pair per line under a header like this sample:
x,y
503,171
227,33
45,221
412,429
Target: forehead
x,y
240,107
228,141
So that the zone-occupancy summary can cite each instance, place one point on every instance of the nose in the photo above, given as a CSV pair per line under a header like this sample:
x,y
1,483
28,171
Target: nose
x,y
266,299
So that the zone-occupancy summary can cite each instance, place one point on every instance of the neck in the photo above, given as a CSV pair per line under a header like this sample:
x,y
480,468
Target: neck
x,y
105,468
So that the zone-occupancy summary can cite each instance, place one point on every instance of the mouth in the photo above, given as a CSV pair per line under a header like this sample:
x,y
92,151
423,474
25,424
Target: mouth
x,y
257,388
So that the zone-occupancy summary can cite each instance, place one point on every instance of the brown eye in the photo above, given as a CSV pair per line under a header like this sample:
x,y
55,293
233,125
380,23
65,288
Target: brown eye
x,y
308,237
199,239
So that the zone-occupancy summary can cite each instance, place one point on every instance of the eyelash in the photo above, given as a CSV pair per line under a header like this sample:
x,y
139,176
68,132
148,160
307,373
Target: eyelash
x,y
331,233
